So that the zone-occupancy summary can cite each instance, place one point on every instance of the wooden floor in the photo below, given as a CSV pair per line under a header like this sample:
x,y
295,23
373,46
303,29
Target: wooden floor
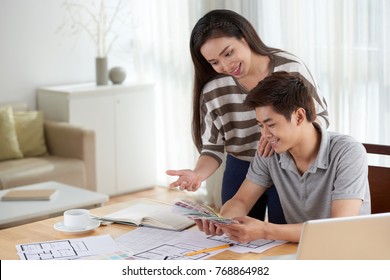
x,y
157,193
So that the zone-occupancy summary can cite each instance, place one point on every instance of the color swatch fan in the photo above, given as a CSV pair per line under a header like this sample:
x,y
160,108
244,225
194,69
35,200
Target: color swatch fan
x,y
194,210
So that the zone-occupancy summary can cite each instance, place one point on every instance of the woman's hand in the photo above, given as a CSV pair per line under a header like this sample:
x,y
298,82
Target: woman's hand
x,y
264,148
188,179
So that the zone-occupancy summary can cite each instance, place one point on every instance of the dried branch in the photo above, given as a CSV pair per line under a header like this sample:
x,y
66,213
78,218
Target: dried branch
x,y
98,21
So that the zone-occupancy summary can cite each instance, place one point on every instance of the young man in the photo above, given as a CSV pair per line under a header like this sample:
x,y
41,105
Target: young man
x,y
318,174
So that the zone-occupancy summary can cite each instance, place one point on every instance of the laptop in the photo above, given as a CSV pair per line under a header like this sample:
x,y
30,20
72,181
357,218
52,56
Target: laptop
x,y
349,238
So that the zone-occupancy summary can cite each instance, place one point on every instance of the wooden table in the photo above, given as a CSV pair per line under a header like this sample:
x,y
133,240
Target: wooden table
x,y
44,231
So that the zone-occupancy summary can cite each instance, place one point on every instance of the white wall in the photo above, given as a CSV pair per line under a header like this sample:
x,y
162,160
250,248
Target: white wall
x,y
34,54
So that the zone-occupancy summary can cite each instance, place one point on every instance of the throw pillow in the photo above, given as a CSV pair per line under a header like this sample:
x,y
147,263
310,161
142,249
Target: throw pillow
x,y
9,147
30,133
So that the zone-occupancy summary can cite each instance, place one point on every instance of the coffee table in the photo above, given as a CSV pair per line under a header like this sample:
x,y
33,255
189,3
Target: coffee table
x,y
14,213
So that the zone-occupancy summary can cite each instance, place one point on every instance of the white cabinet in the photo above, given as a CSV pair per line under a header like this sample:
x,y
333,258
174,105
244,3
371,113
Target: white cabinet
x,y
123,118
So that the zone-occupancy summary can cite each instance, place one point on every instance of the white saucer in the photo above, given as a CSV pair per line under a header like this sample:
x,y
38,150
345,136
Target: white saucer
x,y
61,227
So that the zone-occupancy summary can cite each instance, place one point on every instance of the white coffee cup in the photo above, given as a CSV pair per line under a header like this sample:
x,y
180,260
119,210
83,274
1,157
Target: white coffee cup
x,y
77,218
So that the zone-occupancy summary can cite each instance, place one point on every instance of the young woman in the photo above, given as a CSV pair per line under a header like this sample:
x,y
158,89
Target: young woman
x,y
229,60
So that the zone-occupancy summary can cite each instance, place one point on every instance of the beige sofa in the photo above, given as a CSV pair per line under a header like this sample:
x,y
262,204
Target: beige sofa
x,y
70,159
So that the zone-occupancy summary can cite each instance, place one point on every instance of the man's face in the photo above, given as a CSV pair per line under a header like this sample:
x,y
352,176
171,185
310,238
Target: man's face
x,y
277,130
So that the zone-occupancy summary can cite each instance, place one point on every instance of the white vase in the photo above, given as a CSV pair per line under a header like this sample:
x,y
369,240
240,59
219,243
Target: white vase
x,y
101,71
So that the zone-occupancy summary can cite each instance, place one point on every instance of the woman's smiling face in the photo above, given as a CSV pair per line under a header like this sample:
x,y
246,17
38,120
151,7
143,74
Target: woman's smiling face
x,y
228,55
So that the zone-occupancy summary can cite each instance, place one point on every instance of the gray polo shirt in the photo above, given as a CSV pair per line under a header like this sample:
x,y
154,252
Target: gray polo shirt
x,y
339,172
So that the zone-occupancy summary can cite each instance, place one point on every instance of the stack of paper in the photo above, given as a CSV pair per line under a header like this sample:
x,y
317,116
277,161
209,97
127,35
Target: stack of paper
x,y
195,210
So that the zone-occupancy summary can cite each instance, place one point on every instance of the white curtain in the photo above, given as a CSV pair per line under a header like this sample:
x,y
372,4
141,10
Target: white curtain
x,y
172,22
345,43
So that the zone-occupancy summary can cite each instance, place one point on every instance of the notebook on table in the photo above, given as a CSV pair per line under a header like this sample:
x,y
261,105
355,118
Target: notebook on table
x,y
149,213
349,238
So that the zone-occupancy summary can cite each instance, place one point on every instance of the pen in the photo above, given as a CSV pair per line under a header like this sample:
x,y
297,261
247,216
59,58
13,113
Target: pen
x,y
209,249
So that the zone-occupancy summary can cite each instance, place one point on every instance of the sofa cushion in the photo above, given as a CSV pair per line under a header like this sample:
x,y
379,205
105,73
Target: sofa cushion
x,y
30,133
9,148
28,171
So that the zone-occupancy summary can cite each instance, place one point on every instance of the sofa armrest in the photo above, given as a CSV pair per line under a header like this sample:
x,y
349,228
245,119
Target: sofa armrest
x,y
71,141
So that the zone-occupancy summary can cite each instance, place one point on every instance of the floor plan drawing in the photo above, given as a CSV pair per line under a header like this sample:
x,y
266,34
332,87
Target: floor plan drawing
x,y
253,244
67,249
53,250
171,252
157,244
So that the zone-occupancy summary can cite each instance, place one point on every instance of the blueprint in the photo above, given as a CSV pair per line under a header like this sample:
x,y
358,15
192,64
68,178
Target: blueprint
x,y
158,244
67,249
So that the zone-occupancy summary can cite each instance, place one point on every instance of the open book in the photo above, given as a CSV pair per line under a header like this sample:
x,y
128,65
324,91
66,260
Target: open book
x,y
197,210
150,213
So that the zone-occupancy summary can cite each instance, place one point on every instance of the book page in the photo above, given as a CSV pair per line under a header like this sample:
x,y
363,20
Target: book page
x,y
133,214
165,218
